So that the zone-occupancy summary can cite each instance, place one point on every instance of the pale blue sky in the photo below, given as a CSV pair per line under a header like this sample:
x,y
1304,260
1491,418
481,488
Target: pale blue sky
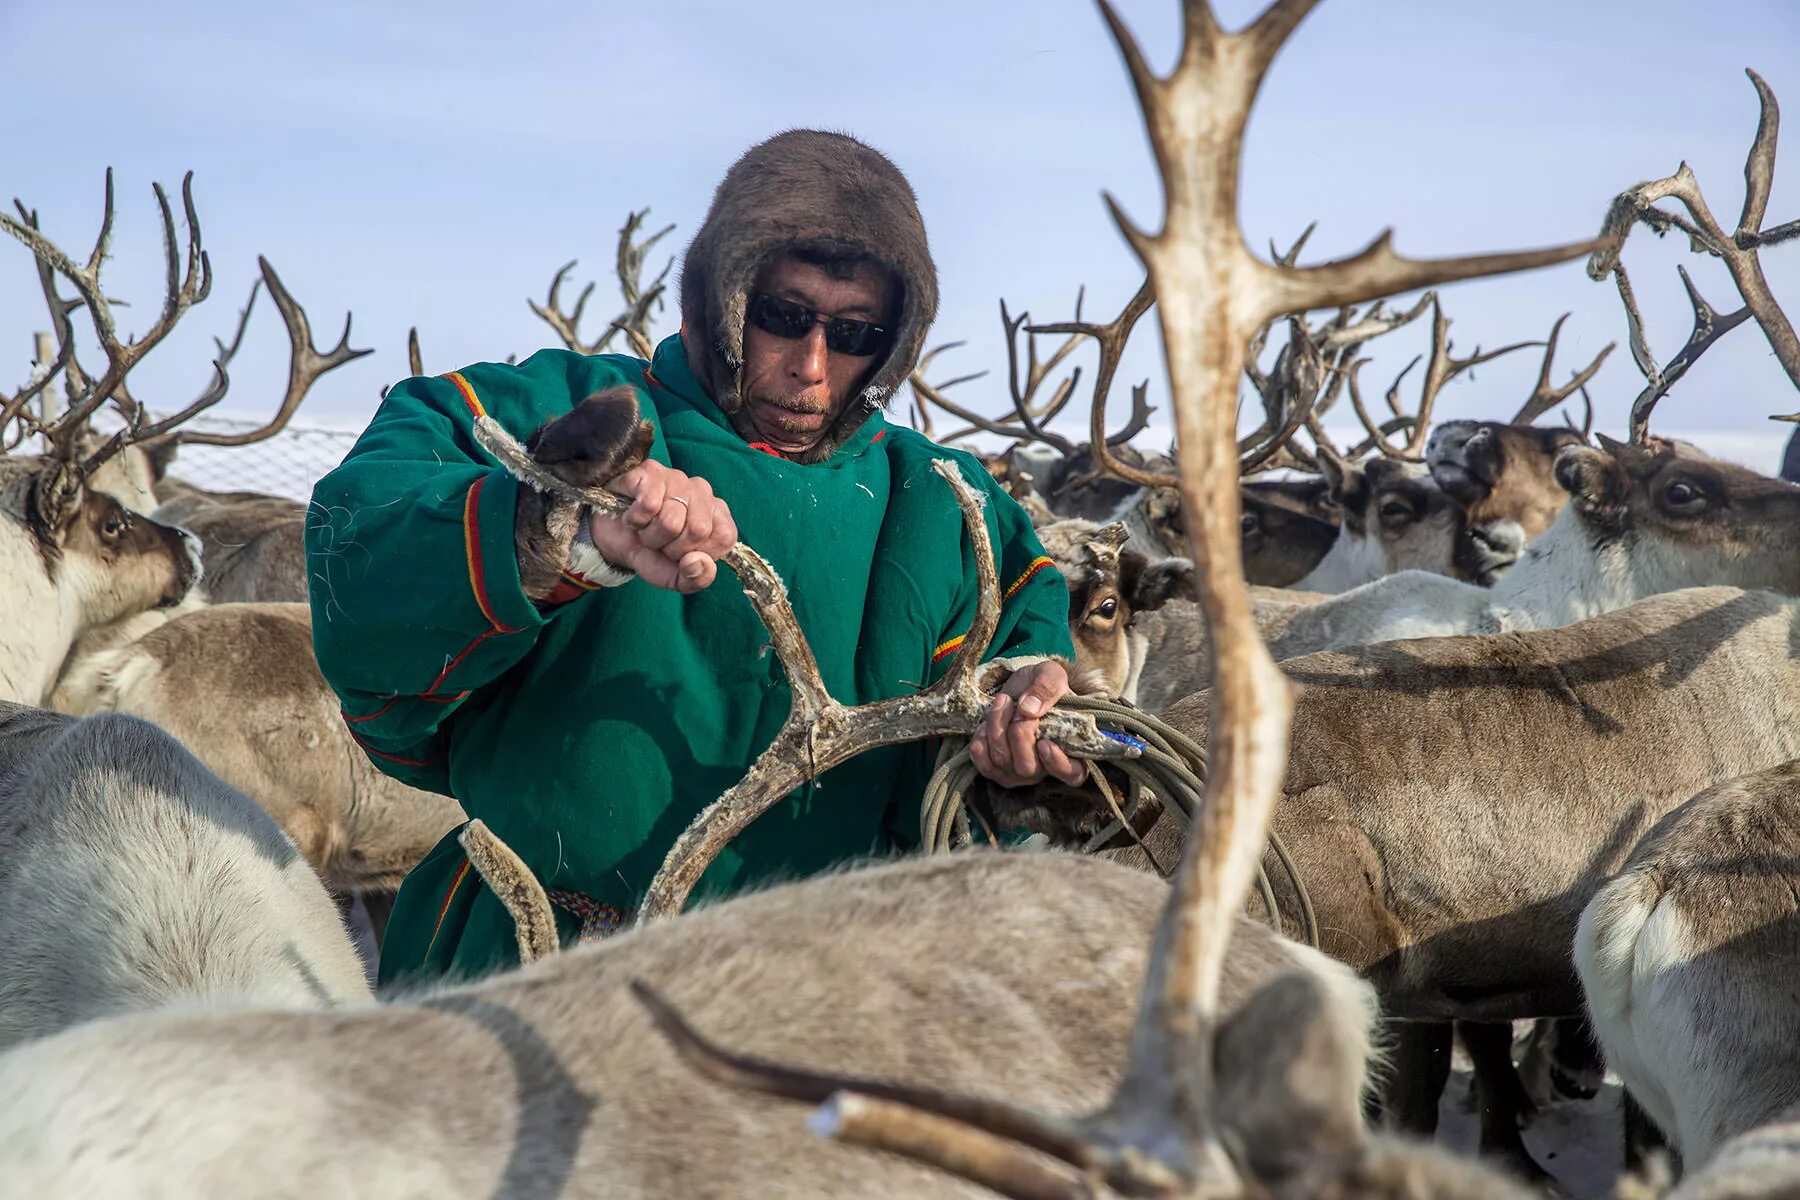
x,y
433,165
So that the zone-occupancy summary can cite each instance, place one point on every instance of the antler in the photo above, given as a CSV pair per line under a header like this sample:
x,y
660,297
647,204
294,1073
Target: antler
x,y
305,365
634,320
86,395
1157,1136
1544,397
819,733
926,394
1738,250
519,892
183,290
1441,368
1111,338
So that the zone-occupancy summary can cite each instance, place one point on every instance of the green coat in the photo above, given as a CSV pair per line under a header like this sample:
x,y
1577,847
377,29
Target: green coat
x,y
588,733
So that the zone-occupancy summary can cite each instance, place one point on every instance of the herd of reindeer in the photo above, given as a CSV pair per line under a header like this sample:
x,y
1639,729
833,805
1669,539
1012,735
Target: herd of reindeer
x,y
1531,754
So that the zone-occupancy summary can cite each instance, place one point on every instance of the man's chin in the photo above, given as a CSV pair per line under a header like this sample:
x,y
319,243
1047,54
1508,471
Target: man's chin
x,y
790,436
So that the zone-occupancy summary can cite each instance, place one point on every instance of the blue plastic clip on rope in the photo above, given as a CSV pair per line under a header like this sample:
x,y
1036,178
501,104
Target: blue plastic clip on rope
x,y
1134,743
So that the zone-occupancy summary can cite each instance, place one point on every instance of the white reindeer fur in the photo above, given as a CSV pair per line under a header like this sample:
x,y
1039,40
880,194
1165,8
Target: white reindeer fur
x,y
45,616
1565,576
1688,959
132,879
1012,975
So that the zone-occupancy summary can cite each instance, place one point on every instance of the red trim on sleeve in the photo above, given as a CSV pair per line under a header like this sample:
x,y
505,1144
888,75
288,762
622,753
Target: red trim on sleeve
x,y
393,758
472,547
468,394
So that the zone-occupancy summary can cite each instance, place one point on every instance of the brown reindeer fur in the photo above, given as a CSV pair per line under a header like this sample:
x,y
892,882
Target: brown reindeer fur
x,y
1176,651
1452,803
237,685
254,550
1288,526
1009,975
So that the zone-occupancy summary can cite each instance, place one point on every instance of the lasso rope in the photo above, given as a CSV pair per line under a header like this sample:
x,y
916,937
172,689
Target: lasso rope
x,y
1169,764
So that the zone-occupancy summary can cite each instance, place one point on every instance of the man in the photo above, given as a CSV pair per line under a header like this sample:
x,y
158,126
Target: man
x,y
576,680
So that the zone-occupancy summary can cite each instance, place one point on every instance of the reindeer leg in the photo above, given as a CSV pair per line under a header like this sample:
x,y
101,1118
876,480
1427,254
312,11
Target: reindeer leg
x,y
379,906
1504,1105
1420,1067
1576,1070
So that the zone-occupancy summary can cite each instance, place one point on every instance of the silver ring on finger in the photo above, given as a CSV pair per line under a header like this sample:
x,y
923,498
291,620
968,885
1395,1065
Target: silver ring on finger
x,y
678,500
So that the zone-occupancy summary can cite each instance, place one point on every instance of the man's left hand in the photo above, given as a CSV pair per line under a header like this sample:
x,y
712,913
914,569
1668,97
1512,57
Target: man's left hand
x,y
1006,747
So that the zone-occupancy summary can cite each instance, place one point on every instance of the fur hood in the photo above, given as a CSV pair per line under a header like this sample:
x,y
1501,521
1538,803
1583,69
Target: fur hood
x,y
800,186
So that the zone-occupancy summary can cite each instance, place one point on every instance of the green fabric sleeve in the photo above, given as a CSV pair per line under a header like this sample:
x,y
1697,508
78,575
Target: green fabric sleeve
x,y
413,575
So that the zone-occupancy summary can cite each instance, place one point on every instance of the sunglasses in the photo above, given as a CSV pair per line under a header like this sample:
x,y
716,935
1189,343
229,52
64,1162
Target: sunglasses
x,y
791,320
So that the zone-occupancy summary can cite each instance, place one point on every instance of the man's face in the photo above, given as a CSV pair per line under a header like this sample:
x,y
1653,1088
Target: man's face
x,y
794,389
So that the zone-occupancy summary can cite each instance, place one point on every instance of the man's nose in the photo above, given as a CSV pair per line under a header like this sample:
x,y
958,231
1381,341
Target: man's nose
x,y
807,360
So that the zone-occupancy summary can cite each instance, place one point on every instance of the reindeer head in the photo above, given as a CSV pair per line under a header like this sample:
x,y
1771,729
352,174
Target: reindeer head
x,y
106,560
1395,513
1288,526
1504,477
1107,585
1687,520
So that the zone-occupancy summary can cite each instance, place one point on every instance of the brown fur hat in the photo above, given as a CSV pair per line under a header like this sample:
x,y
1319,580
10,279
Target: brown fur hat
x,y
804,186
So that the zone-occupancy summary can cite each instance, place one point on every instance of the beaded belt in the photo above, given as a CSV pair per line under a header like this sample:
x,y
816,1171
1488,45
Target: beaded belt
x,y
598,920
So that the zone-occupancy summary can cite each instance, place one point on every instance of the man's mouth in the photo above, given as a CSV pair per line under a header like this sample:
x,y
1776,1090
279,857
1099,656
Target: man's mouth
x,y
772,416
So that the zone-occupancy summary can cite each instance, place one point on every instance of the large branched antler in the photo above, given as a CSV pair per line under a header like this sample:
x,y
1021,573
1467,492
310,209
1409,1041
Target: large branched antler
x,y
1440,368
1546,396
183,289
1157,1135
819,733
87,394
1738,250
640,301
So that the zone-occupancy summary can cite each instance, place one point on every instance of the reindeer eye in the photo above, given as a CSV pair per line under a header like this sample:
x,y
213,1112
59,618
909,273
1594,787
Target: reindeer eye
x,y
1109,608
1683,496
1249,523
1394,512
114,525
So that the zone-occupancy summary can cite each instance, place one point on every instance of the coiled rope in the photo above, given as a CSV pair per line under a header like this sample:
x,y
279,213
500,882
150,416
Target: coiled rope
x,y
1170,765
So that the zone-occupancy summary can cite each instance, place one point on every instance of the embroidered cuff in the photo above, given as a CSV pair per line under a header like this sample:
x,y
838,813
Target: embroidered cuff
x,y
588,564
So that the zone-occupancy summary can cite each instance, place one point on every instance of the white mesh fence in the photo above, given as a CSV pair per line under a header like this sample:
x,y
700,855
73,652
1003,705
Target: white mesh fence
x,y
287,464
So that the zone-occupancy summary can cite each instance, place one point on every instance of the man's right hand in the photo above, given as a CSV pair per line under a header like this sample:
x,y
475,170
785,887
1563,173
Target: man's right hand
x,y
674,531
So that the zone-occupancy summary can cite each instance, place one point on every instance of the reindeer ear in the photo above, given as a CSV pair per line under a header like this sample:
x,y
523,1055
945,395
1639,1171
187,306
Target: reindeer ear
x,y
1288,1073
160,451
599,439
1149,585
1594,478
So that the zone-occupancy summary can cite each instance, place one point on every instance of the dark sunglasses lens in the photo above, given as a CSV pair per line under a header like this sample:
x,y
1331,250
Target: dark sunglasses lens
x,y
856,338
783,318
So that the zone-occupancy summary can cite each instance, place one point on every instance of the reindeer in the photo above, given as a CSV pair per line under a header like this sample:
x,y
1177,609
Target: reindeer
x,y
75,558
237,684
1450,917
1644,519
1288,526
253,550
132,879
